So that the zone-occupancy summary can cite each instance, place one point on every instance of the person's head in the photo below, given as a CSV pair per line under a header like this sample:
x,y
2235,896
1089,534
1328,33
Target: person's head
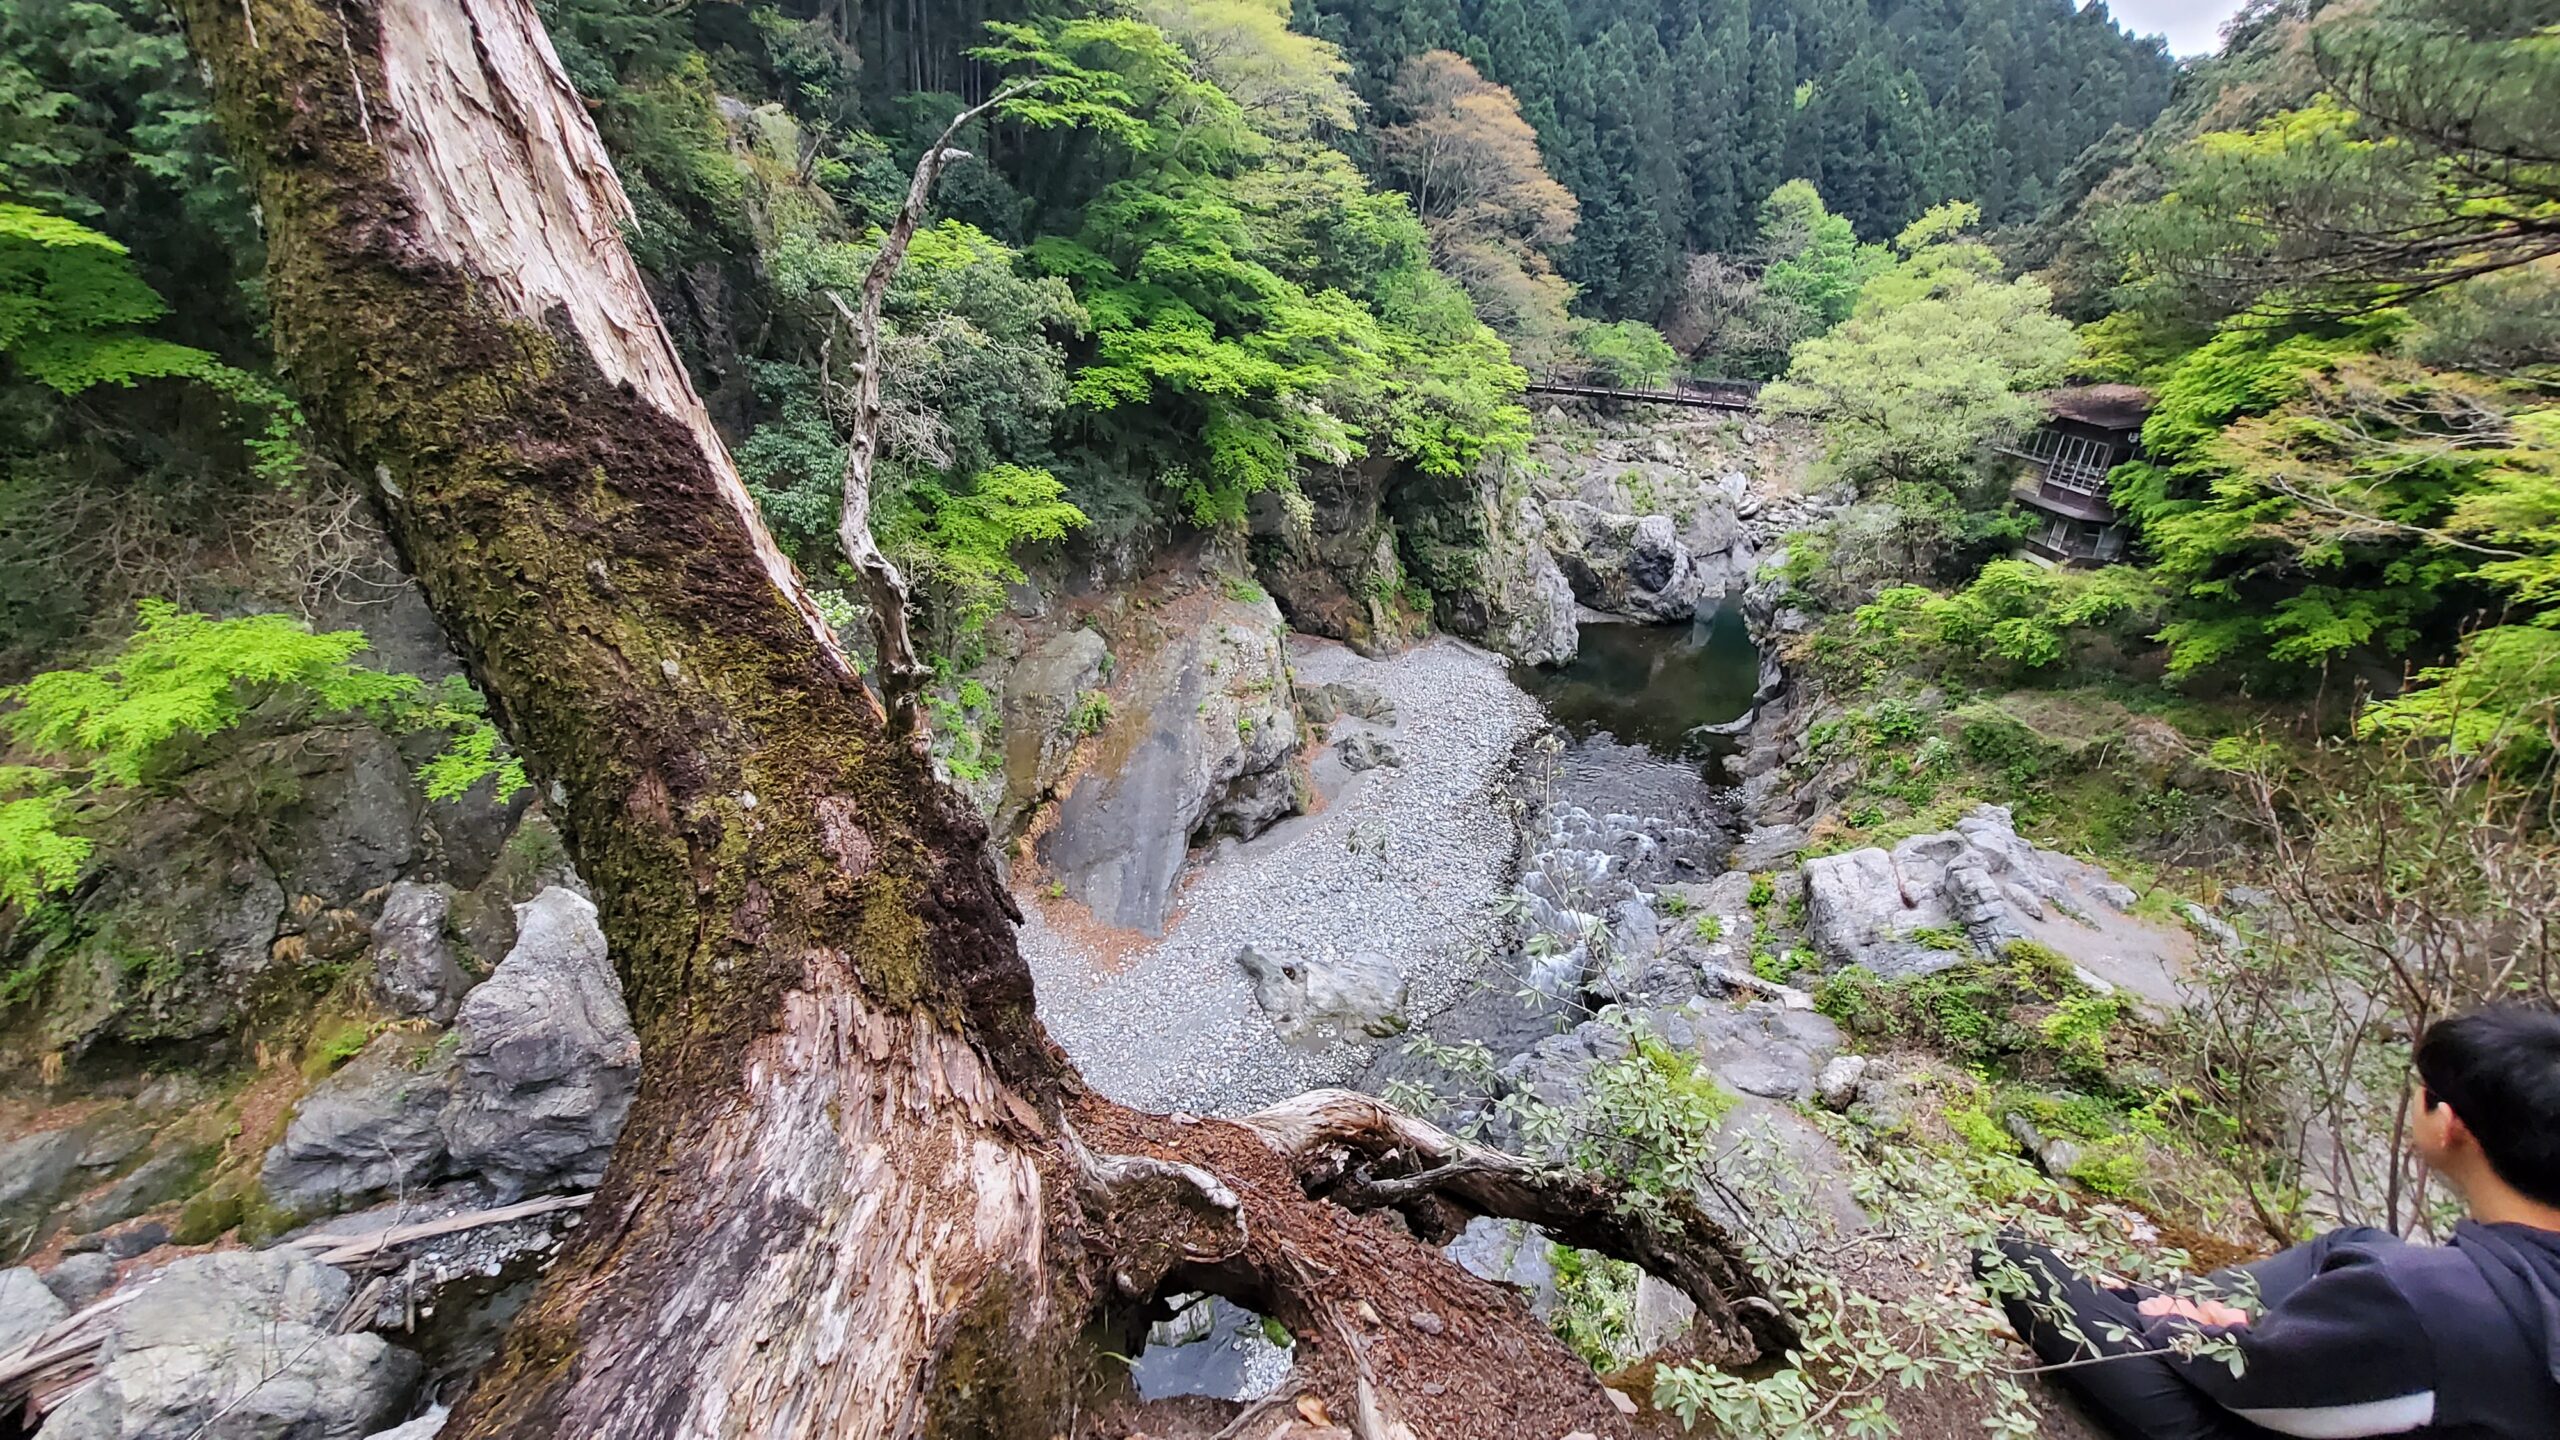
x,y
2488,1109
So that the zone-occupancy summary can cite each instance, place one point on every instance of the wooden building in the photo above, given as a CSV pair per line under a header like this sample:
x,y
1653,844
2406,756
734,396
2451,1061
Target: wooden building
x,y
2062,473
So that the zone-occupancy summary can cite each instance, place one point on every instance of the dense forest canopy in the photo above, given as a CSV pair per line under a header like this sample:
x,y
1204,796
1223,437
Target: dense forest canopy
x,y
1670,123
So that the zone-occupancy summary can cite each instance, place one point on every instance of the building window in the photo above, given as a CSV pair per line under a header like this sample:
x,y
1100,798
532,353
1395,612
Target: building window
x,y
2070,462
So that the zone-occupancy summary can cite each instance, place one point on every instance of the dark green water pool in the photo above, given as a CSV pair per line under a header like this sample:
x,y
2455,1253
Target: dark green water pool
x,y
1650,685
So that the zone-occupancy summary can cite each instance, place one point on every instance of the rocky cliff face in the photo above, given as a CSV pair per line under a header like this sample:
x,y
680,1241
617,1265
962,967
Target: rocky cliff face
x,y
1201,731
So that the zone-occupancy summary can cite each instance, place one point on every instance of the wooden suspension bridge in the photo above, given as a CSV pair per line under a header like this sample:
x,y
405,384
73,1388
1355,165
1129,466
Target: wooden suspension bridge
x,y
1696,394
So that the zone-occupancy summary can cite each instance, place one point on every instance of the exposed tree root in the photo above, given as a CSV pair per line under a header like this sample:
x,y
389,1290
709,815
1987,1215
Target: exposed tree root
x,y
1394,1338
1366,1154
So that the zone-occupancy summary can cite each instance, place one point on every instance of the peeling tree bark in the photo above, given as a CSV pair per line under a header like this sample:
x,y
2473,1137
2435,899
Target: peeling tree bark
x,y
860,1193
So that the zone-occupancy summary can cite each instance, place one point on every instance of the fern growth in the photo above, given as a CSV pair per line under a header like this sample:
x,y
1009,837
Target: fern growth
x,y
37,856
70,300
185,676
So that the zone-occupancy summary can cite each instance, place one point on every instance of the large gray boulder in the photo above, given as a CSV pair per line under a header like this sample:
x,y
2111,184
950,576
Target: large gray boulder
x,y
1633,565
35,1170
1201,746
547,1060
1938,899
1509,1252
1316,1000
415,972
370,1129
237,1345
1765,1048
27,1307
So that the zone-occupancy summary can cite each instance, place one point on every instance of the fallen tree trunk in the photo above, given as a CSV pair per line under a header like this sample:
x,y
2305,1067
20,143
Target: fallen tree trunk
x,y
860,1192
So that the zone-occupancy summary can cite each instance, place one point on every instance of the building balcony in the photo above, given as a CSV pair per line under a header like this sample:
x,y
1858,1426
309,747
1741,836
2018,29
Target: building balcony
x,y
2038,490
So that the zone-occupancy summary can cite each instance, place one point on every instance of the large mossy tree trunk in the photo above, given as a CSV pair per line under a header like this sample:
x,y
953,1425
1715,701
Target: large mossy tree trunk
x,y
861,1193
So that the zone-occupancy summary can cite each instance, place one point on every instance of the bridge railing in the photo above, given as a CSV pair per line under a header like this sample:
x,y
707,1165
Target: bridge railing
x,y
1735,394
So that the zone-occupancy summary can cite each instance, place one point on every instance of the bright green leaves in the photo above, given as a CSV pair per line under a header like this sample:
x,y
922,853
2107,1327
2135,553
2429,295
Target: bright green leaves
x,y
1627,353
1257,310
963,539
2023,615
37,856
973,379
186,674
69,299
1821,265
473,754
1120,78
2313,499
182,678
61,280
1936,360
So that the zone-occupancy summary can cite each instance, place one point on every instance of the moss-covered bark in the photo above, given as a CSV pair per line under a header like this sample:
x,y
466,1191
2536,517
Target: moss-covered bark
x,y
803,919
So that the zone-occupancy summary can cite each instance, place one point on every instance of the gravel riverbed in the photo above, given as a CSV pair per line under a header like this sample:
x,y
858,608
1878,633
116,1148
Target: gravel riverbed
x,y
1406,861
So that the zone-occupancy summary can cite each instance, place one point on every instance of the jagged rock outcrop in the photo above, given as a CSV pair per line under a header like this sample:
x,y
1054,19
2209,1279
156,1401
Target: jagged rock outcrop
x,y
237,1345
1339,573
1202,735
1492,577
1935,900
1041,695
527,1092
369,1129
415,972
1632,565
547,1061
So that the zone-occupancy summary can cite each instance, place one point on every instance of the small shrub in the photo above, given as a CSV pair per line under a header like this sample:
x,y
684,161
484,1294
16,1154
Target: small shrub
x,y
1710,928
1764,888
1980,1133
2076,1034
2114,1167
1595,1306
1089,714
1896,720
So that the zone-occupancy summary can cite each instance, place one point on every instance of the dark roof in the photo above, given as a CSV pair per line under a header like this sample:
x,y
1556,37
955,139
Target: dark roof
x,y
2108,407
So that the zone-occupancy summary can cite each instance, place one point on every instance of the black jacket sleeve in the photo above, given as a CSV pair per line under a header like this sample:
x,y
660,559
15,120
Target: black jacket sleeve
x,y
2338,1355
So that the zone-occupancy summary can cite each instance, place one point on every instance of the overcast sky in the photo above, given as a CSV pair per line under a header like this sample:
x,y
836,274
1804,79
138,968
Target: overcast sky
x,y
2194,27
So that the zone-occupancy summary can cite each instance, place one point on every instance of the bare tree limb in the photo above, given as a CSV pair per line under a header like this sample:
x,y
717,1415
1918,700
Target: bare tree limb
x,y
902,676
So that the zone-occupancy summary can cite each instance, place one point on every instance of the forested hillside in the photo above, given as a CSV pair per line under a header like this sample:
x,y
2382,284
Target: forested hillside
x,y
1671,123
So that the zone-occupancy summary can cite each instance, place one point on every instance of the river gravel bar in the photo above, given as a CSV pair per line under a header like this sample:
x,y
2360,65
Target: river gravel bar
x,y
1406,861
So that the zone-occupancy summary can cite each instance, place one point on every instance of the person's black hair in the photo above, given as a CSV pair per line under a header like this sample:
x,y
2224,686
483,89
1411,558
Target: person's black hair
x,y
2499,1069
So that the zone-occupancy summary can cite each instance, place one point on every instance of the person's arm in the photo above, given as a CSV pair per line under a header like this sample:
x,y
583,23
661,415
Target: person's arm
x,y
2340,1357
